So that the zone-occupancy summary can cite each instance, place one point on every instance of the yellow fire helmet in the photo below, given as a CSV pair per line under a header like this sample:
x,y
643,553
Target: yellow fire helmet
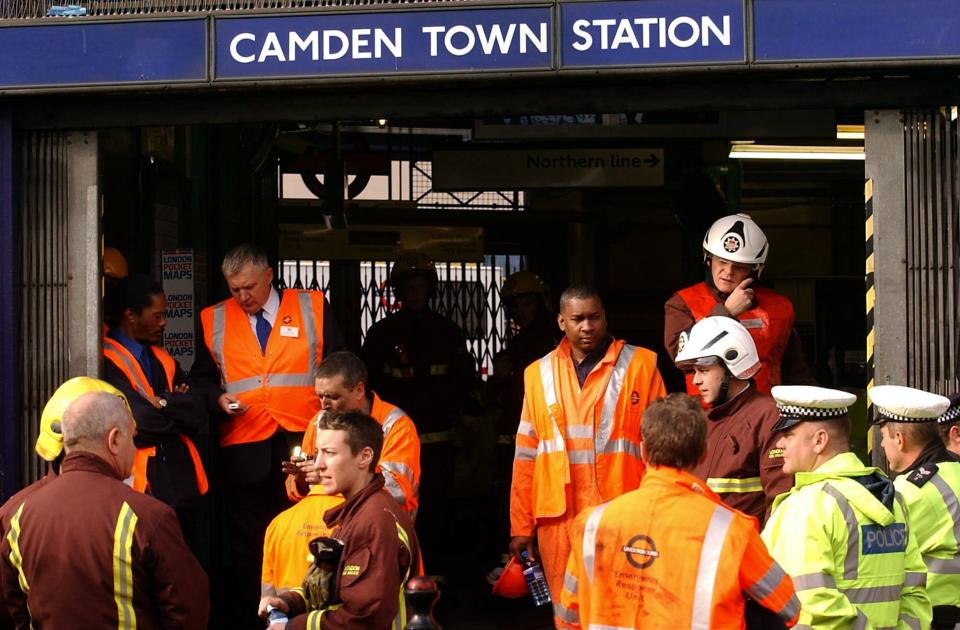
x,y
409,262
523,282
50,441
114,264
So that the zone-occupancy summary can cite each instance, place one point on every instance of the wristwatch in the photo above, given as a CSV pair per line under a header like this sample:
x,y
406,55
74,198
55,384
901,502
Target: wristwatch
x,y
161,401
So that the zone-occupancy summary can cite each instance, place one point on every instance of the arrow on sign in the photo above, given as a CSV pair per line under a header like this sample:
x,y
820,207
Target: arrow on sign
x,y
652,160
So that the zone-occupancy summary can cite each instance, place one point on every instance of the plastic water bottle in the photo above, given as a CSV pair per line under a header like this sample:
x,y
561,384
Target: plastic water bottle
x,y
536,581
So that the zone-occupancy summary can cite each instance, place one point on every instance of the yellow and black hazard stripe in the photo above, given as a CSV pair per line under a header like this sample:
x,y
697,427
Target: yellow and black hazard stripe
x,y
871,295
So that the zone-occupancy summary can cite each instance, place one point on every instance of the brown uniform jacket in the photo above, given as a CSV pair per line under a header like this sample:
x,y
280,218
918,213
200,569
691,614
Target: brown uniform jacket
x,y
743,464
374,566
87,551
6,513
677,318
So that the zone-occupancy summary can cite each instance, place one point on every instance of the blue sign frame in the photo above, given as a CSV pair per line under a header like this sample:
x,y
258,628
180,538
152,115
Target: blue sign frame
x,y
384,43
652,33
83,52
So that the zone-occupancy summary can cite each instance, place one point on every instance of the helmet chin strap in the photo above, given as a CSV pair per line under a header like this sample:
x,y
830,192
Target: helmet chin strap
x,y
724,389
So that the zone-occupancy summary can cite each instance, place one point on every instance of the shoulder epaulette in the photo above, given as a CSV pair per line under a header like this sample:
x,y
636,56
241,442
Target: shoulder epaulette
x,y
922,474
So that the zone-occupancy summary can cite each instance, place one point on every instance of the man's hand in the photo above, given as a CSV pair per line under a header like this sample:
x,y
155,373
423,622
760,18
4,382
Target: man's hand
x,y
271,600
226,400
521,543
182,388
741,299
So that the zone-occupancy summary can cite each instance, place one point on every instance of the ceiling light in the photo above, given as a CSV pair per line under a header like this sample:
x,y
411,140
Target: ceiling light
x,y
849,132
794,152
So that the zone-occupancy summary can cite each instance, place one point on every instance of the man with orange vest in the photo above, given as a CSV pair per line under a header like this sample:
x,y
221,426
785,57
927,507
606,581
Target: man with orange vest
x,y
342,385
578,442
257,365
671,554
167,413
734,253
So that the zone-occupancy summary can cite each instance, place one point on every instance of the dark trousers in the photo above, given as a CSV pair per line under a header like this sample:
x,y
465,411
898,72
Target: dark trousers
x,y
253,492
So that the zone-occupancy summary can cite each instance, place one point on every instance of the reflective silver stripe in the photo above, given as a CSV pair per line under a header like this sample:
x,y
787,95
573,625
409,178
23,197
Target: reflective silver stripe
x,y
872,594
243,385
622,446
556,444
601,626
581,456
310,328
612,394
579,431
399,469
525,453
862,621
569,582
942,566
950,499
273,380
810,581
526,428
391,420
766,585
590,539
709,563
915,578
219,327
566,614
394,488
131,368
909,620
791,609
852,560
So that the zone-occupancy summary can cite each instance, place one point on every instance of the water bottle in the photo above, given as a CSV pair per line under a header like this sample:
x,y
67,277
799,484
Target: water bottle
x,y
536,581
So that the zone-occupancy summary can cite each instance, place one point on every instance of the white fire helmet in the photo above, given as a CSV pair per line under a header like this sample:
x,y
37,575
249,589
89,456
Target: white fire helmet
x,y
719,339
737,238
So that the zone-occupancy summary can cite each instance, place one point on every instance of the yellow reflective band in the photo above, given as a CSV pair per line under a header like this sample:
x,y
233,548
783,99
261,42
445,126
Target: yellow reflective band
x,y
313,620
748,484
16,558
123,567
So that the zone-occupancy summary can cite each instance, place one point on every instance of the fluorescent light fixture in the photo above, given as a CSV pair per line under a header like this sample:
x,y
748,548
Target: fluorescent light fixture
x,y
793,152
849,132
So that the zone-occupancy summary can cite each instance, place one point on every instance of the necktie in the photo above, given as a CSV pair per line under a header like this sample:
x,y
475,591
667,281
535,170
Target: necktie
x,y
263,330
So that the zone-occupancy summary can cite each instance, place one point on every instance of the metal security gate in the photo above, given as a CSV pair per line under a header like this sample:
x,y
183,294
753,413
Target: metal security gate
x,y
44,268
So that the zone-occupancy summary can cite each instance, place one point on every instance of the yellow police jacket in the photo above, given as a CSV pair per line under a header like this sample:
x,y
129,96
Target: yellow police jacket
x,y
930,493
853,560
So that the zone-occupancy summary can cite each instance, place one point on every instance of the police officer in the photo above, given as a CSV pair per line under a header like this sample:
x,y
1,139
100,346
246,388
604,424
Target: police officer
x,y
418,360
734,252
841,533
929,482
744,465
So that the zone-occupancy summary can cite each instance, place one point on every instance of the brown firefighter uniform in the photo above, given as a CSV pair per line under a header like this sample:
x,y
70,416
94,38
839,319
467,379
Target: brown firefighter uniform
x,y
380,553
87,551
743,464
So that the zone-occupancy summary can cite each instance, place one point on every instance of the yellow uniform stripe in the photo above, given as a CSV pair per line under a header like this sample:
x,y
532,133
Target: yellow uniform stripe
x,y
16,558
748,484
123,567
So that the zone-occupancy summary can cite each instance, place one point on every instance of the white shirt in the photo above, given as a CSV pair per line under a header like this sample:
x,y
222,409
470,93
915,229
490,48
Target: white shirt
x,y
270,308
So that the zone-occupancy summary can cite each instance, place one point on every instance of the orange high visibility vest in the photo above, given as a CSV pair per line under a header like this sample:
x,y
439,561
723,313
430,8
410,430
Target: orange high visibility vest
x,y
278,386
770,325
632,381
669,555
130,367
399,457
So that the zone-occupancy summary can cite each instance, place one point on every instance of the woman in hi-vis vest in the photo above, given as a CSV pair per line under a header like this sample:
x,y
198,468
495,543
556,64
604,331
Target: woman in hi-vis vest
x,y
734,253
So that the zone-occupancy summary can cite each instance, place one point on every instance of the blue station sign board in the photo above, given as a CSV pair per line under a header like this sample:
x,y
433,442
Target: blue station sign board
x,y
559,36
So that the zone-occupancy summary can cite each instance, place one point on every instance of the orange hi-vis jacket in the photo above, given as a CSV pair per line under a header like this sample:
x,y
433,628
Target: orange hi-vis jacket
x,y
278,386
399,457
669,555
128,364
602,433
769,323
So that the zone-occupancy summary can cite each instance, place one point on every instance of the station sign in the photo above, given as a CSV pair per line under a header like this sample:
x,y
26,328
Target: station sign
x,y
546,168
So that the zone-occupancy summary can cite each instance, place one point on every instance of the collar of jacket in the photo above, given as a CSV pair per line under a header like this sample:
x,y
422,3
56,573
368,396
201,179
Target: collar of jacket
x,y
335,515
85,461
667,475
848,466
610,350
733,405
934,453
